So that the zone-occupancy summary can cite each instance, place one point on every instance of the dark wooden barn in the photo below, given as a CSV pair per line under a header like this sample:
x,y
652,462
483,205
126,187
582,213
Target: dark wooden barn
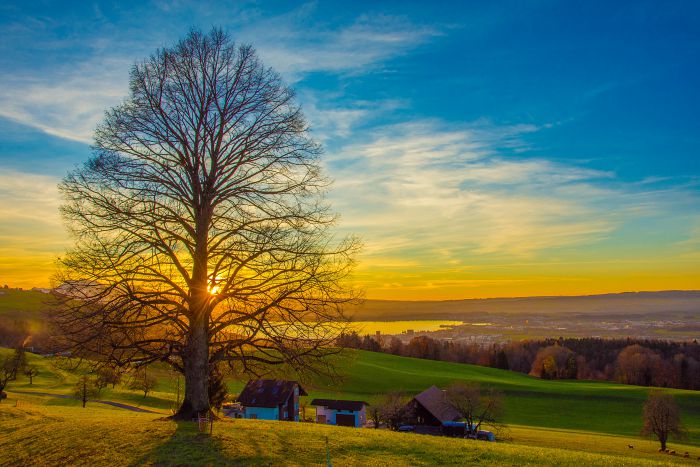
x,y
430,408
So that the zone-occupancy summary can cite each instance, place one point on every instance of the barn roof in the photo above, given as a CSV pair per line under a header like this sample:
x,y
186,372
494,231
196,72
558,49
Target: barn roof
x,y
434,401
268,392
339,404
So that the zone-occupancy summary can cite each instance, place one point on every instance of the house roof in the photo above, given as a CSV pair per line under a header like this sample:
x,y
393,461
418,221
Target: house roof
x,y
268,392
339,404
434,401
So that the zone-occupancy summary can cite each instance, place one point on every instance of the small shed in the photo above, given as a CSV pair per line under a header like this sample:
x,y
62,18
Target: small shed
x,y
271,399
340,412
430,407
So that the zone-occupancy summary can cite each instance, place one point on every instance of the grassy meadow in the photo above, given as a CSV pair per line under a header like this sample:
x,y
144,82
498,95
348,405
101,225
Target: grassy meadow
x,y
37,434
549,422
578,405
595,421
599,407
23,308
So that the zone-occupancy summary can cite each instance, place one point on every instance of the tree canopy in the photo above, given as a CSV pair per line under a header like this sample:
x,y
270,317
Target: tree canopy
x,y
201,234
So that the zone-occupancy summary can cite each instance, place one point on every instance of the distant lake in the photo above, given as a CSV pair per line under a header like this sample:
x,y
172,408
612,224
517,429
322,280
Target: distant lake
x,y
397,327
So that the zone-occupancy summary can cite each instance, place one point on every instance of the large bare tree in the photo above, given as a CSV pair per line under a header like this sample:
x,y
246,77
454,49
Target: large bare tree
x,y
201,233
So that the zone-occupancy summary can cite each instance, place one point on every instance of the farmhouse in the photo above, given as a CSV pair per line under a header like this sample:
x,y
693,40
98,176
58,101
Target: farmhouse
x,y
271,399
340,412
430,408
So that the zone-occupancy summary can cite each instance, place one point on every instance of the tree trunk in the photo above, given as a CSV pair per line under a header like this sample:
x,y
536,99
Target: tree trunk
x,y
662,439
196,366
196,356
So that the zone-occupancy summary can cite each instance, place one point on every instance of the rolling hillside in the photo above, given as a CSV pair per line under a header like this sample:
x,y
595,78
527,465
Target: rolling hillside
x,y
633,303
597,420
29,304
19,308
34,434
599,407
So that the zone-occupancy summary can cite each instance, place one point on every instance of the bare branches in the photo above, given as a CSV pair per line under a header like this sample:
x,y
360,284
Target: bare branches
x,y
661,417
202,207
475,405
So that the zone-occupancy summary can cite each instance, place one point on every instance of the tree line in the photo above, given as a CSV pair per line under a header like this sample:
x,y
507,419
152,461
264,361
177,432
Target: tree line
x,y
643,362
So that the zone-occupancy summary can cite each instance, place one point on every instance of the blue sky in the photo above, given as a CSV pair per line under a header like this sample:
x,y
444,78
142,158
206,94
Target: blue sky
x,y
478,148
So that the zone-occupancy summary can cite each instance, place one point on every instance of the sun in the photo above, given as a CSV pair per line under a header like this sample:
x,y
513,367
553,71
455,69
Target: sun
x,y
214,288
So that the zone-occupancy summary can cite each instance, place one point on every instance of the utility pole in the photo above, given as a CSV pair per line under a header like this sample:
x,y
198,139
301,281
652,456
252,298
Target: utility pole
x,y
177,402
84,391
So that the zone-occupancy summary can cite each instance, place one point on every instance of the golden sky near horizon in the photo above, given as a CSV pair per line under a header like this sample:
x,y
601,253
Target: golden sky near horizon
x,y
389,267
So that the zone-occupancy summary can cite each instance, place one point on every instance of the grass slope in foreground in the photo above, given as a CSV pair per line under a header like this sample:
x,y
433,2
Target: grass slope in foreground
x,y
54,435
599,407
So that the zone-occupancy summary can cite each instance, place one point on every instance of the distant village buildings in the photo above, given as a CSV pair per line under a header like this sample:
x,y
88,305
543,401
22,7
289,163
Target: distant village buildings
x,y
275,399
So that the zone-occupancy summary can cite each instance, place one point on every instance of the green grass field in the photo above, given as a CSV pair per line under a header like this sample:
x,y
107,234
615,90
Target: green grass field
x,y
23,307
37,434
588,418
582,417
574,405
578,405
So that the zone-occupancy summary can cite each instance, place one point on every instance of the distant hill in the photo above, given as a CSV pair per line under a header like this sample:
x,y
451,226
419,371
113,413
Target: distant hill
x,y
28,306
22,309
631,303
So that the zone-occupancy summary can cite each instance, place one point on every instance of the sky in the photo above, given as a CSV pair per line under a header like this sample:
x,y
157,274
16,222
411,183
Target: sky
x,y
478,149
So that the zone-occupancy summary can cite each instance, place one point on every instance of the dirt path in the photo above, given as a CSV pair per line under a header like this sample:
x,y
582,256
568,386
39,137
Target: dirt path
x,y
66,396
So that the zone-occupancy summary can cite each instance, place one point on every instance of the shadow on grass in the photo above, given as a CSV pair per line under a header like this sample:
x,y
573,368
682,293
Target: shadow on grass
x,y
187,446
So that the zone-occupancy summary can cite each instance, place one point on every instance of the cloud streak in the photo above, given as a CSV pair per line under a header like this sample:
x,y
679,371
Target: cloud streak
x,y
445,195
69,95
67,103
295,49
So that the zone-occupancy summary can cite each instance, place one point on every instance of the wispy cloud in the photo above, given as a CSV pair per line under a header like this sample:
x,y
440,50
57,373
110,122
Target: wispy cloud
x,y
295,48
334,119
69,94
443,194
69,102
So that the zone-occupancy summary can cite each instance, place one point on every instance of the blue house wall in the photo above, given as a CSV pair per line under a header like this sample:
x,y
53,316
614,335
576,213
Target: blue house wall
x,y
262,413
332,413
273,413
270,395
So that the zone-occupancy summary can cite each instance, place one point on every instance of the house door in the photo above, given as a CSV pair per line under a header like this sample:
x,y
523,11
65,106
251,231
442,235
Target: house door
x,y
344,419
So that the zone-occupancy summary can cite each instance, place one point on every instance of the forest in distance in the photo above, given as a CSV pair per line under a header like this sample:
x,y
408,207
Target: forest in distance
x,y
641,362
